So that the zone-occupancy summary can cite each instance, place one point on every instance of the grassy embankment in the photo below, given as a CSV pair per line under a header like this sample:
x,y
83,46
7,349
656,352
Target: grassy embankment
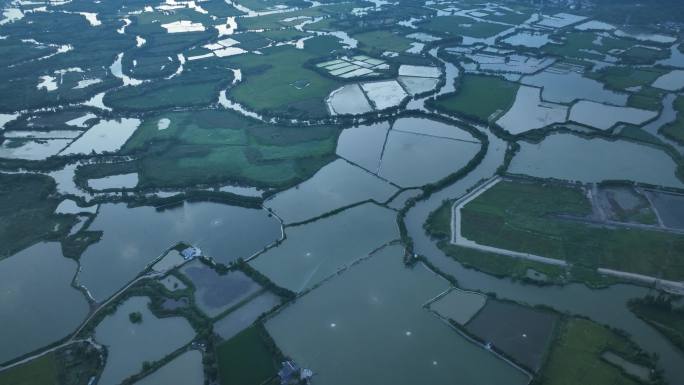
x,y
524,217
479,97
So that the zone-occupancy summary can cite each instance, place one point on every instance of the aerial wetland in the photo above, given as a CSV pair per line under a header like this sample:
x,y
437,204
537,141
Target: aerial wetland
x,y
258,192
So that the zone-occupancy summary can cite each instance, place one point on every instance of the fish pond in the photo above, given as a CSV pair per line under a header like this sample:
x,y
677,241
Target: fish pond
x,y
130,239
314,251
35,286
571,157
375,309
131,343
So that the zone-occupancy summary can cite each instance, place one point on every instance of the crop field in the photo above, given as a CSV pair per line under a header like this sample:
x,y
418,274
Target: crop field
x,y
527,217
479,96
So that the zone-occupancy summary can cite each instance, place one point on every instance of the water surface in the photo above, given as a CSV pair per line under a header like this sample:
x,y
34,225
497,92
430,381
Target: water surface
x,y
134,237
35,287
369,323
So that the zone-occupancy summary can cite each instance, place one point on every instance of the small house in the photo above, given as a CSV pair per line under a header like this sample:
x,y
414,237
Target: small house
x,y
290,374
191,253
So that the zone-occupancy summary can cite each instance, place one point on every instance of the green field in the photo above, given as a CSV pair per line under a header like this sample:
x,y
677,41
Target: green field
x,y
580,44
575,357
245,359
463,26
27,214
479,96
623,77
644,55
41,371
198,85
648,98
439,226
660,313
383,41
271,83
524,217
215,146
509,17
675,130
